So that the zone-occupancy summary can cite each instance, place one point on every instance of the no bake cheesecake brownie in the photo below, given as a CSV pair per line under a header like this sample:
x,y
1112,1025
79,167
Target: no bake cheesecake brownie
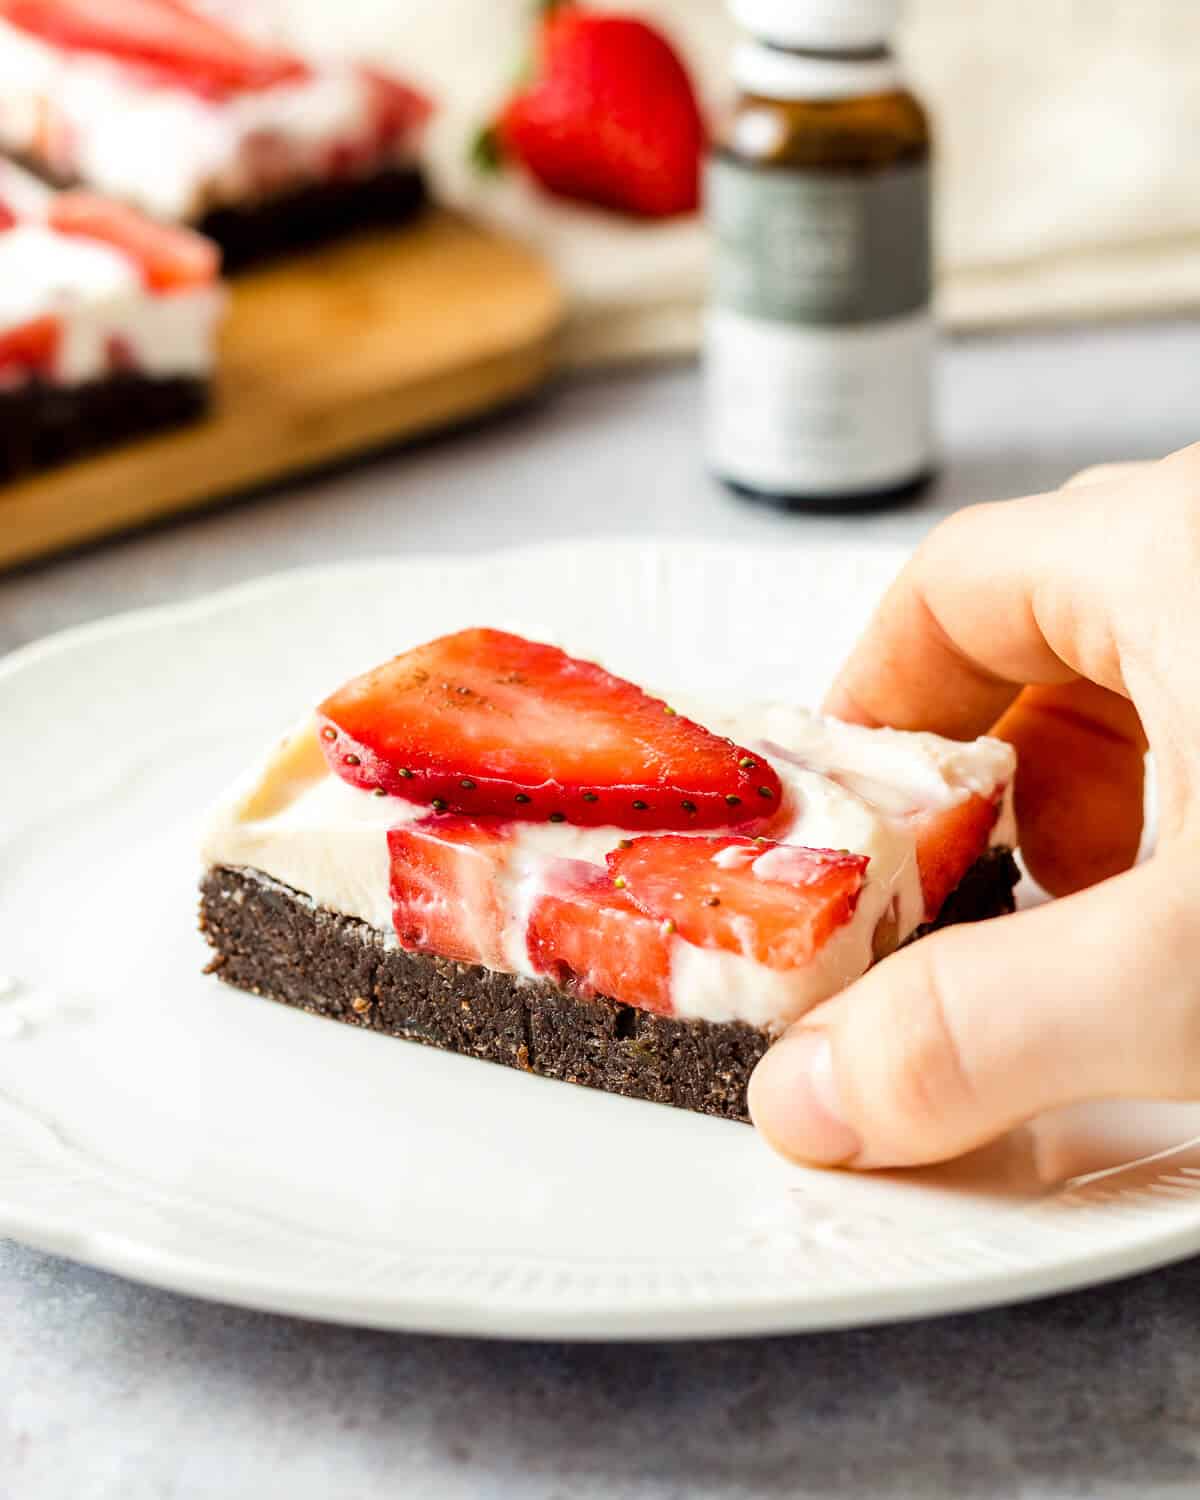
x,y
108,324
156,104
493,848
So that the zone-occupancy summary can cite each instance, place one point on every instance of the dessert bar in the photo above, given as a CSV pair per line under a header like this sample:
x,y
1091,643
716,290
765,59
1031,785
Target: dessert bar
x,y
494,848
159,106
108,323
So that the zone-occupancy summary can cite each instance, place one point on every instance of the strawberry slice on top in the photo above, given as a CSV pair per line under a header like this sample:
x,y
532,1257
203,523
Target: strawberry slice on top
x,y
777,904
166,35
170,258
487,723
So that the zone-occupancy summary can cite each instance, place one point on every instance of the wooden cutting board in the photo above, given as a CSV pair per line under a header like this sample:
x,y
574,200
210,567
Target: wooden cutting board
x,y
322,357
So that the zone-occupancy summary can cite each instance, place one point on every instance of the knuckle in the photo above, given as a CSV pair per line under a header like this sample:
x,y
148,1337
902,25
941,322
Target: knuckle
x,y
953,532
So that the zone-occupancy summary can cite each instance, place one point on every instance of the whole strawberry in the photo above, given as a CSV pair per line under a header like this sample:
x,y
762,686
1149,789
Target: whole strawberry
x,y
609,115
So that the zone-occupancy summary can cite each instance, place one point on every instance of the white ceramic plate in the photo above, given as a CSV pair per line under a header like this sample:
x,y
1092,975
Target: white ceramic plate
x,y
158,1124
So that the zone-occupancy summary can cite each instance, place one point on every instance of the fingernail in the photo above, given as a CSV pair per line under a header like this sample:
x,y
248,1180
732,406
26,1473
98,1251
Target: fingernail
x,y
794,1101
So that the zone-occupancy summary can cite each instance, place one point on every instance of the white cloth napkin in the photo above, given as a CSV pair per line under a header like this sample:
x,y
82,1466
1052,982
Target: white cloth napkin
x,y
1069,183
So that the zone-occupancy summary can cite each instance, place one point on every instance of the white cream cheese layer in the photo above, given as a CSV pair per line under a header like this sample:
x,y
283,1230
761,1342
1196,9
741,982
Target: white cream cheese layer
x,y
167,150
108,319
844,788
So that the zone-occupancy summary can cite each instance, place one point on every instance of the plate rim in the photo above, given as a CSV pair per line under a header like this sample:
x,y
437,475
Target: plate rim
x,y
457,1317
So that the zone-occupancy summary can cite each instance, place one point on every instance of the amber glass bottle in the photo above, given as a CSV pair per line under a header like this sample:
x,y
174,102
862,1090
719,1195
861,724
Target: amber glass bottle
x,y
820,335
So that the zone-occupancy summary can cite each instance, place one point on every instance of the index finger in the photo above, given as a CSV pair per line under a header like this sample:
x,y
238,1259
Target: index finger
x,y
997,597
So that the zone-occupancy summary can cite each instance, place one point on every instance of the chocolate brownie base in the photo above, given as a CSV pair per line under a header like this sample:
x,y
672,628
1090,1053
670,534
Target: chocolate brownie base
x,y
274,942
253,232
43,424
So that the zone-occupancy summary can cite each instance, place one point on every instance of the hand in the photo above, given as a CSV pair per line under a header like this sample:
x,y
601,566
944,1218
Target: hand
x,y
1071,621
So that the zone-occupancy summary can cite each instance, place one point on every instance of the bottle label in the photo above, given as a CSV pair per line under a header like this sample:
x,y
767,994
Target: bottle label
x,y
820,335
817,247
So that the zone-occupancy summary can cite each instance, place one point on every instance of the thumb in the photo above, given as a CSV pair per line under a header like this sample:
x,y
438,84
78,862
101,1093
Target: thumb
x,y
973,1030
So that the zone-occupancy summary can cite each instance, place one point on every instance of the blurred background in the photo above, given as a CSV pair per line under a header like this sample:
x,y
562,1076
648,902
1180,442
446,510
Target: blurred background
x,y
1066,218
1069,186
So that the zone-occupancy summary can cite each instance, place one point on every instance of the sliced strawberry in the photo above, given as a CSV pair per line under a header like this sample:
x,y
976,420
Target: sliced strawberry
x,y
189,48
583,928
30,347
397,108
170,258
7,217
444,888
949,841
777,904
489,723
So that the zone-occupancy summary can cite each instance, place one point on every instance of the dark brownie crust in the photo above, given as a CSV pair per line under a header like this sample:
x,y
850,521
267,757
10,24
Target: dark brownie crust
x,y
314,215
43,424
274,942
265,228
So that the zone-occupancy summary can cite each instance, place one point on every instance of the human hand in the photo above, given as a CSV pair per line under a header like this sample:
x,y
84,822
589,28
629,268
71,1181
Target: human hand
x,y
1071,622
